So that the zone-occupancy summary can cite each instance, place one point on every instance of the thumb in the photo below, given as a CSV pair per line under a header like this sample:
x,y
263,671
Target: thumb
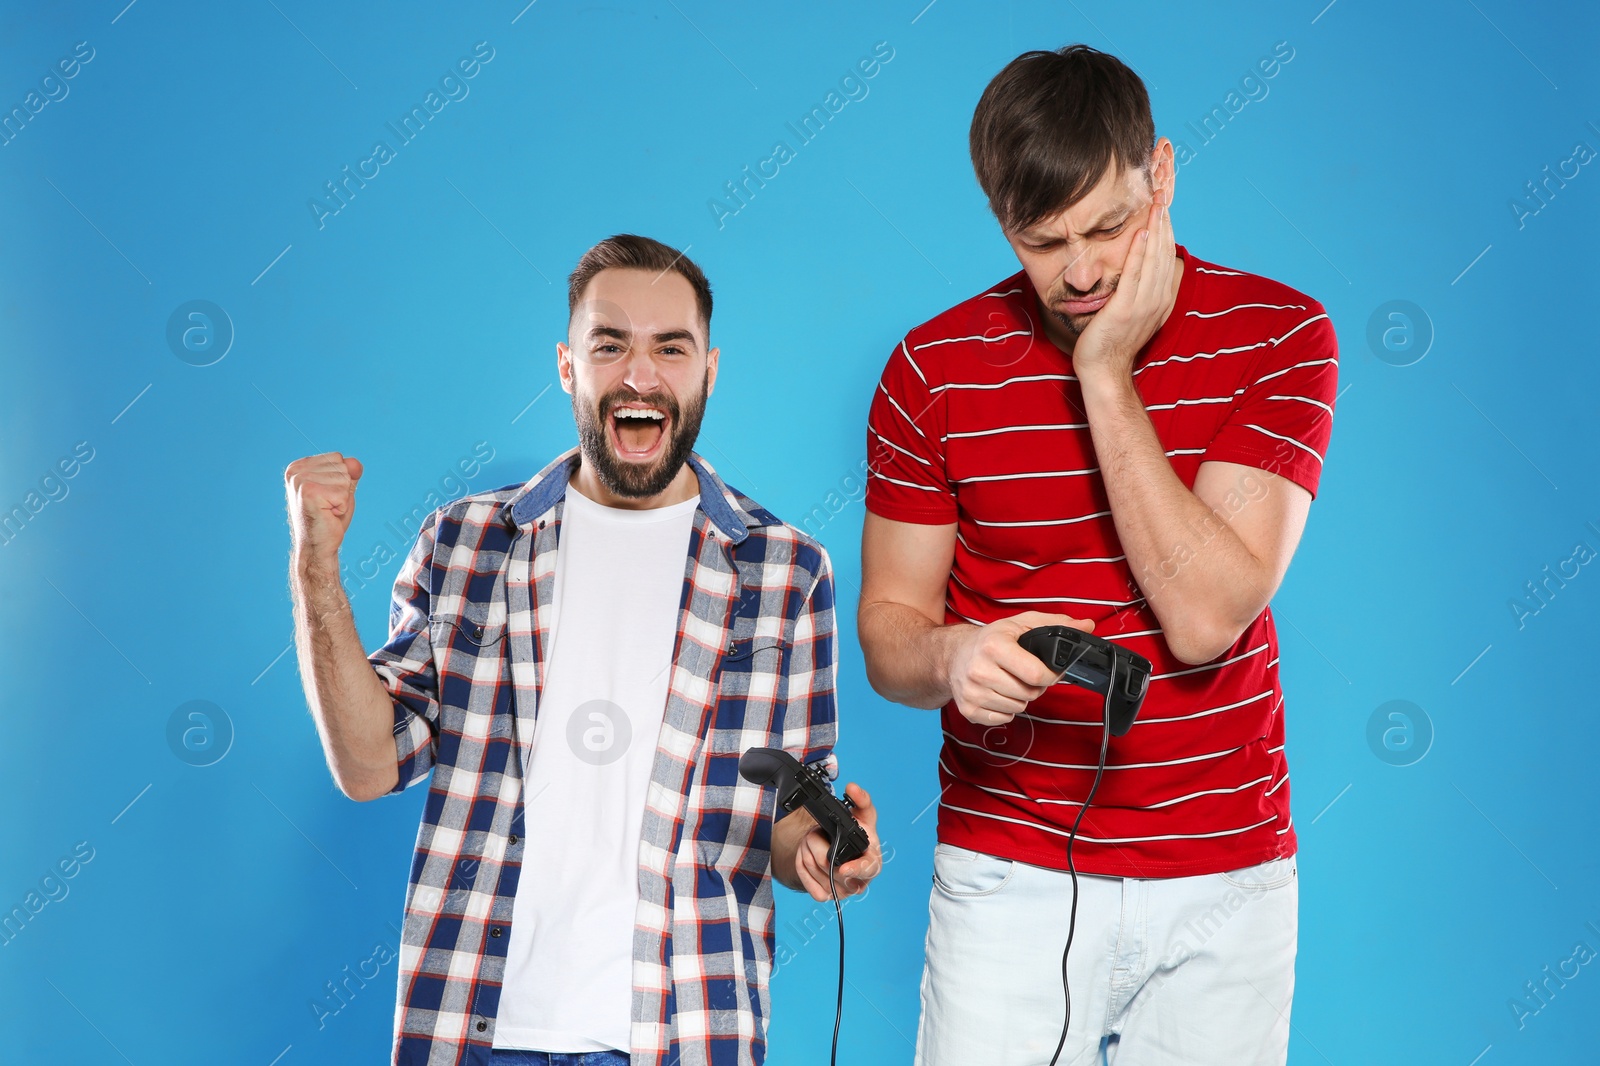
x,y
353,467
861,800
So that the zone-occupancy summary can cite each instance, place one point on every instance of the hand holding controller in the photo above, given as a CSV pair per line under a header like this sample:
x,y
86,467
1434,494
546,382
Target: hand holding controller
x,y
807,786
1095,664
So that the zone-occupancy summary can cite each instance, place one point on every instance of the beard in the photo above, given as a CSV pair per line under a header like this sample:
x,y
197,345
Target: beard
x,y
1076,324
636,480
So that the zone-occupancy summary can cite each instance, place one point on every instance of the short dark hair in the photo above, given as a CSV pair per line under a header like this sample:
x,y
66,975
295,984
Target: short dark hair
x,y
1049,125
639,253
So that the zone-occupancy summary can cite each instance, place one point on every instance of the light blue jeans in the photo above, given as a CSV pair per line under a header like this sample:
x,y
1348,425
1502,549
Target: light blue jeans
x,y
1164,971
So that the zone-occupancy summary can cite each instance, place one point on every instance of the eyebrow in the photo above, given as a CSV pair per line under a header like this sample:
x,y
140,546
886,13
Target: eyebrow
x,y
626,335
1126,210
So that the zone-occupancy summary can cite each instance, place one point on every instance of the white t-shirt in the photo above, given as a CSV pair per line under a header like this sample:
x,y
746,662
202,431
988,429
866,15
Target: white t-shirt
x,y
568,982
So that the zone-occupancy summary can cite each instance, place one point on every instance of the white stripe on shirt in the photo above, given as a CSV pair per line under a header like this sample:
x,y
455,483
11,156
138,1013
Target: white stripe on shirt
x,y
1007,381
1311,451
1239,307
986,340
1111,840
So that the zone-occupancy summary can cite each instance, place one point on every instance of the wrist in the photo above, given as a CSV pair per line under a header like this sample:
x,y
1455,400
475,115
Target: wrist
x,y
953,641
1101,385
314,568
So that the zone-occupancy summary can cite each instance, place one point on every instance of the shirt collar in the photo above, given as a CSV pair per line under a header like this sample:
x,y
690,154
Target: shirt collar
x,y
724,506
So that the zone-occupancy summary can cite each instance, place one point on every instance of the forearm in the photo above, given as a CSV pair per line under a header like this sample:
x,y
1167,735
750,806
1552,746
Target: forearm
x,y
1200,579
352,709
907,653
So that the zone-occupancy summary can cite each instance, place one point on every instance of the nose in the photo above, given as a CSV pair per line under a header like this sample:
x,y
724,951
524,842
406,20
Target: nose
x,y
640,373
1082,271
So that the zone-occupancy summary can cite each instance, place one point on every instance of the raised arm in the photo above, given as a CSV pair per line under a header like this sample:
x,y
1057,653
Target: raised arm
x,y
353,711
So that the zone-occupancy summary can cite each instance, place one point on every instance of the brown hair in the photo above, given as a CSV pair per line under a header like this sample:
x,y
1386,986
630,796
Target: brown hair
x,y
639,253
1049,125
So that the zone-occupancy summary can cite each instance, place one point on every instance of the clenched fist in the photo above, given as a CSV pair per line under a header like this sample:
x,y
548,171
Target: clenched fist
x,y
322,500
992,677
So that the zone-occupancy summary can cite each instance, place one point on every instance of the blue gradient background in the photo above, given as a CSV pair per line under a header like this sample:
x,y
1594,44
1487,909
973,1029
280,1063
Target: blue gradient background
x,y
422,319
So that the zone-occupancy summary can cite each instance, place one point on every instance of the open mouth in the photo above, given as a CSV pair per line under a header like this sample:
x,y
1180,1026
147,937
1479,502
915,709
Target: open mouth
x,y
637,431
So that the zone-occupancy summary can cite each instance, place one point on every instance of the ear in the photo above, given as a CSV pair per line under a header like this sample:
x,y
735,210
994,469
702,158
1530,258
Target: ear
x,y
711,369
564,366
1163,170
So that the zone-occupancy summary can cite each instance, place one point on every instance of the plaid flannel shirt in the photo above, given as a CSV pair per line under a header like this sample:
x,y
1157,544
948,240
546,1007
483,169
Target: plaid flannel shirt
x,y
754,665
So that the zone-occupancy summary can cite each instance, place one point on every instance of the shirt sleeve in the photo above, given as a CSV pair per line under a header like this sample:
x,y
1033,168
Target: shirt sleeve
x,y
1284,418
405,663
810,722
906,479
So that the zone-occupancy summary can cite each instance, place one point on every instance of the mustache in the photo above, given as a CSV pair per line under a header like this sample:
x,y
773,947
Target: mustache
x,y
1067,292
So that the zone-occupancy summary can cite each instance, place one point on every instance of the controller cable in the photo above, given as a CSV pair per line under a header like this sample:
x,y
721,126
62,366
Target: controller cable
x,y
1072,923
833,890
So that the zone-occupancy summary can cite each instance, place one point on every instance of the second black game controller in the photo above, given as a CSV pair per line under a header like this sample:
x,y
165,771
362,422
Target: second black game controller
x,y
1096,664
807,786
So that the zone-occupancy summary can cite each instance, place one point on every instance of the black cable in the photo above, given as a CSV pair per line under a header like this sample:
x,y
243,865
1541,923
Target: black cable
x,y
838,1008
1072,837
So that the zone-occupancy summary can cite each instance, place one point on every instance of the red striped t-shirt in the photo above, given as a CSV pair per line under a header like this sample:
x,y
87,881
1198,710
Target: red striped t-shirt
x,y
979,421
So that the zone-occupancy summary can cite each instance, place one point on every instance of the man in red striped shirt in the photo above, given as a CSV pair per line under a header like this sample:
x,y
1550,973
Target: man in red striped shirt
x,y
1124,438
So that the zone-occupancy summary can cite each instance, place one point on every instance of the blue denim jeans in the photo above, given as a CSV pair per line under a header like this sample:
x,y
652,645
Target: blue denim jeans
x,y
508,1057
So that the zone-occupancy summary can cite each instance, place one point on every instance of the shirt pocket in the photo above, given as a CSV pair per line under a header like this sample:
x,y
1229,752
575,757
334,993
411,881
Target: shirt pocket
x,y
469,628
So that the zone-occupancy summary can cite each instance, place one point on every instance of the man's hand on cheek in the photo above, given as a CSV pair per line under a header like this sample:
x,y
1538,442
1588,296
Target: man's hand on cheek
x,y
1143,299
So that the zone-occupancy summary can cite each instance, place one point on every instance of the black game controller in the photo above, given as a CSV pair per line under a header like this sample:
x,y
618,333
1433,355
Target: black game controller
x,y
1095,664
809,786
